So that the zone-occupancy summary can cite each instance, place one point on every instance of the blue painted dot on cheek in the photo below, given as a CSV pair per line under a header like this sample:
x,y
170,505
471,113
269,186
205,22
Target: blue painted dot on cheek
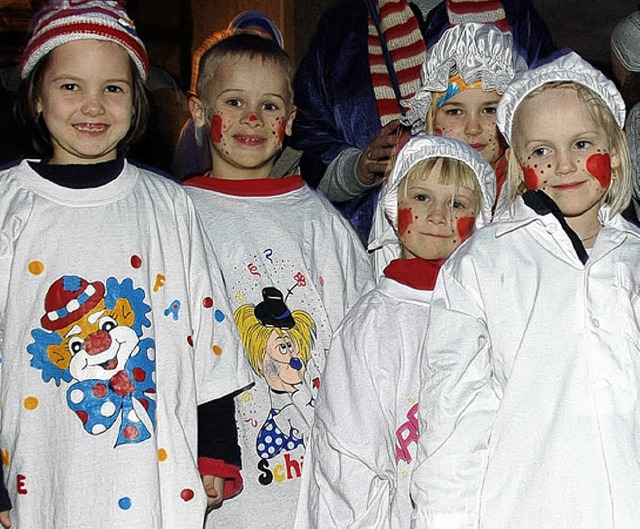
x,y
219,316
124,503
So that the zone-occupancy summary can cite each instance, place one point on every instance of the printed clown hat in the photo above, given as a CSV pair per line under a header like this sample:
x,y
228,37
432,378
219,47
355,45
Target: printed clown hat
x,y
68,299
63,21
272,310
570,67
425,146
479,52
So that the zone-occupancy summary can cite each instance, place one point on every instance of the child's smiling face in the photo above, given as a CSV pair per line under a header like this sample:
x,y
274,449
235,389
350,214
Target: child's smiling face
x,y
250,113
86,100
434,218
563,151
470,116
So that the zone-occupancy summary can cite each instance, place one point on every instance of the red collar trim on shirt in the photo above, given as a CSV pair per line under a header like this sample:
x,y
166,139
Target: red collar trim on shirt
x,y
260,187
417,273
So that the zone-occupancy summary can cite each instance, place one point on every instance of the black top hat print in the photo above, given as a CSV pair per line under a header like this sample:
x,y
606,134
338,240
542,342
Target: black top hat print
x,y
272,311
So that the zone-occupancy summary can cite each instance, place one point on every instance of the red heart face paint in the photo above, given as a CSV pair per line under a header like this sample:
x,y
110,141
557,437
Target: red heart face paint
x,y
216,128
405,218
464,227
599,166
531,179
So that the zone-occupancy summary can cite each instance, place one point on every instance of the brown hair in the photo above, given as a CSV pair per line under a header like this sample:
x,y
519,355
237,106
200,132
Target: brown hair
x,y
27,115
243,46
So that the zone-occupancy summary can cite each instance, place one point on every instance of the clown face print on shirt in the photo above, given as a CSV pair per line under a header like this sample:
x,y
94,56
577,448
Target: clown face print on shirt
x,y
565,153
278,343
91,337
249,111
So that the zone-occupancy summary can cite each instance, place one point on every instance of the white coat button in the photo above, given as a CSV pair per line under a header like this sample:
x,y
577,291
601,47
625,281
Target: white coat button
x,y
595,322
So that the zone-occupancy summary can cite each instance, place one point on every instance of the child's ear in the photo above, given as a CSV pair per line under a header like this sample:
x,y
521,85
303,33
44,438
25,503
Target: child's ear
x,y
292,116
197,111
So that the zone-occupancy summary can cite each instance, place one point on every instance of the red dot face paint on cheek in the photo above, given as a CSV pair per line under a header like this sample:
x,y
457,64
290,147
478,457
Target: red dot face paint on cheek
x,y
216,128
464,227
282,127
405,218
530,178
599,166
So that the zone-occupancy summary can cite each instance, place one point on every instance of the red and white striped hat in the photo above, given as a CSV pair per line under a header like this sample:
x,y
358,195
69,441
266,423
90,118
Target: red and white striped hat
x,y
63,21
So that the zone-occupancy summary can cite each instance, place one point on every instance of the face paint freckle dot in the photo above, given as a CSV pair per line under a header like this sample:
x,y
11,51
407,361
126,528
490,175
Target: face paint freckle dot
x,y
36,267
136,261
31,403
162,454
124,503
187,494
217,350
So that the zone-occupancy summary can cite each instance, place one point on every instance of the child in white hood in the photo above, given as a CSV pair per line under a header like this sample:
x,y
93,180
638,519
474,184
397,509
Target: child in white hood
x,y
529,404
364,437
462,80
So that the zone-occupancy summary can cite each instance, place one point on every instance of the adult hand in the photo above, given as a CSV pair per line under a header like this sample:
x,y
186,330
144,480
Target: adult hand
x,y
5,519
377,158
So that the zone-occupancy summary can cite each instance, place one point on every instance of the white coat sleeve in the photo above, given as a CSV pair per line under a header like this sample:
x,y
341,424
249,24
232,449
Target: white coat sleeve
x,y
349,464
459,399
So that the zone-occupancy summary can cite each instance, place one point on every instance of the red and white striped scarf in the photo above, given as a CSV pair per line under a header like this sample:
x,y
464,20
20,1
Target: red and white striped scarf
x,y
401,33
479,11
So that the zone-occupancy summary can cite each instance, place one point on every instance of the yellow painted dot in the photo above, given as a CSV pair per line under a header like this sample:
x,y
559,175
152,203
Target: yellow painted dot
x,y
217,350
410,400
36,267
405,474
31,403
162,454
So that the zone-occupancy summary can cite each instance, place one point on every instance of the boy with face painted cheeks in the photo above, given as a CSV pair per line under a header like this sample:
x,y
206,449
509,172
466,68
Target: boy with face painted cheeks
x,y
364,437
292,265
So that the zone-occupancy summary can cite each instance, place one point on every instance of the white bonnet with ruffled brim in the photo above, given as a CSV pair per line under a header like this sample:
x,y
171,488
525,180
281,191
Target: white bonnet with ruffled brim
x,y
424,146
625,41
478,52
570,68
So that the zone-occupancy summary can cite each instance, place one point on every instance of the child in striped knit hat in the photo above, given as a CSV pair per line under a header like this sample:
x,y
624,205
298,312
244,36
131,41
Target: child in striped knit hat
x,y
117,340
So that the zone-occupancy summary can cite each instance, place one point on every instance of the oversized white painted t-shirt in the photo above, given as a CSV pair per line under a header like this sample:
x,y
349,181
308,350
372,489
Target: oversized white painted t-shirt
x,y
365,432
113,329
293,267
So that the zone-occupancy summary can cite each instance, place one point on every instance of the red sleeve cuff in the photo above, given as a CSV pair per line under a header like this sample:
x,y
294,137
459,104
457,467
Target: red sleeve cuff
x,y
231,473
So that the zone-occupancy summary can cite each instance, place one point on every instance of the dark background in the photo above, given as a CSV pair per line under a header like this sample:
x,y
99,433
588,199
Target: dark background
x,y
171,29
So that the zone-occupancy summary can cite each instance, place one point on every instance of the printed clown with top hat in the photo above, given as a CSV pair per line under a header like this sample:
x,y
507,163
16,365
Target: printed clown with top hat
x,y
91,336
278,345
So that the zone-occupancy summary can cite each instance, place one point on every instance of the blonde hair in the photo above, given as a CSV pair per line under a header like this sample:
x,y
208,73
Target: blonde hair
x,y
243,47
450,171
618,196
255,335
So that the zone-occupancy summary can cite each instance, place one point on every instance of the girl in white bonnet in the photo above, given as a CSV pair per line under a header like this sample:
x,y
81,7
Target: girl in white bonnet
x,y
363,442
530,386
462,80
